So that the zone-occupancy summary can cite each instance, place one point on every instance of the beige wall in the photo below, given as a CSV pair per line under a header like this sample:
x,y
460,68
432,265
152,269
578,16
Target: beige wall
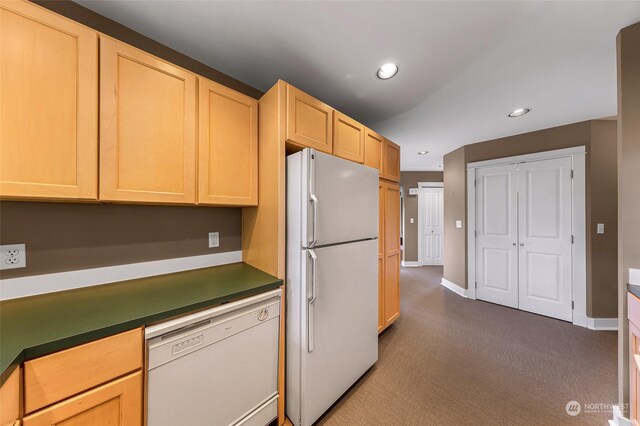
x,y
455,208
64,236
410,204
629,184
600,168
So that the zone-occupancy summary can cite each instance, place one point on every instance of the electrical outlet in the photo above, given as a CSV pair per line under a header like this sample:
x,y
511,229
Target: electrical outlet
x,y
214,239
13,256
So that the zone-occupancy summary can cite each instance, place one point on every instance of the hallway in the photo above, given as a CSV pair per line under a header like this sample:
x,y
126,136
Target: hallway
x,y
452,361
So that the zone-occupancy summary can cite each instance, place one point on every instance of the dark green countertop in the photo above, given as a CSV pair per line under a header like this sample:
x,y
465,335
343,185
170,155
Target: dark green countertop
x,y
39,325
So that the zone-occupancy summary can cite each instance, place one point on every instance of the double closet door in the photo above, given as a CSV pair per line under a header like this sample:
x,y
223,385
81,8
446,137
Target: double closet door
x,y
524,237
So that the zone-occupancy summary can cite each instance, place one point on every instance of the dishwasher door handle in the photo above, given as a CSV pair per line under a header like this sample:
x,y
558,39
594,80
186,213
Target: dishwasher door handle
x,y
312,301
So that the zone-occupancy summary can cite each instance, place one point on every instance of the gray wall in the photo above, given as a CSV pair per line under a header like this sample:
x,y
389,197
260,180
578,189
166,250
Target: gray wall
x,y
64,236
629,185
599,138
410,203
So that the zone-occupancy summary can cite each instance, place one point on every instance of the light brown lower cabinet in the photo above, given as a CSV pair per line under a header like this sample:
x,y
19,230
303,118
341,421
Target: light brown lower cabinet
x,y
389,256
117,403
10,400
633,313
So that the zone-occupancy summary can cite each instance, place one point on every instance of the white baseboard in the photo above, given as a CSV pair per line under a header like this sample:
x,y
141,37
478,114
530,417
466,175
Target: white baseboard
x,y
457,289
602,324
410,264
15,288
580,320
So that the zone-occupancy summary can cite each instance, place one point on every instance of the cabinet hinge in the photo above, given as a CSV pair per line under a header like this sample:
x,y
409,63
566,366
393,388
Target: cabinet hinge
x,y
571,173
572,239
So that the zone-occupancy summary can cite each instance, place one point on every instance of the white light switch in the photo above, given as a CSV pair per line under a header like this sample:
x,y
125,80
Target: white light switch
x,y
458,224
411,220
600,228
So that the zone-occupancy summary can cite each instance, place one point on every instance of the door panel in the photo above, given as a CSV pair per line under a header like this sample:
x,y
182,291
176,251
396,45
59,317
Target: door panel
x,y
373,145
391,161
496,240
431,225
344,191
49,105
228,146
545,237
147,127
348,138
115,403
344,323
309,121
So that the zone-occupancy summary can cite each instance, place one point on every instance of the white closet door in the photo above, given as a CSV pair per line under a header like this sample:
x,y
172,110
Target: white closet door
x,y
497,235
545,237
431,226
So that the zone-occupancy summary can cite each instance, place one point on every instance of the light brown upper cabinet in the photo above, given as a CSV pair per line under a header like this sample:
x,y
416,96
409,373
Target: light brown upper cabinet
x,y
309,121
391,161
147,127
348,138
228,146
373,146
49,104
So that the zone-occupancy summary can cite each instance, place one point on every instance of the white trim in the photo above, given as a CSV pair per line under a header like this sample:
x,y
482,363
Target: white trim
x,y
410,264
458,290
430,185
14,288
578,220
602,324
542,155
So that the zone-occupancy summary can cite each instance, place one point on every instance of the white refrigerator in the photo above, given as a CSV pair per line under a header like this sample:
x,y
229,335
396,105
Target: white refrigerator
x,y
332,280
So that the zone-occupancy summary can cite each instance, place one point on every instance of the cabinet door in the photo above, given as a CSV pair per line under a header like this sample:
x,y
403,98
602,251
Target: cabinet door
x,y
10,399
309,121
391,161
348,138
392,252
49,105
381,278
228,146
147,127
373,144
116,403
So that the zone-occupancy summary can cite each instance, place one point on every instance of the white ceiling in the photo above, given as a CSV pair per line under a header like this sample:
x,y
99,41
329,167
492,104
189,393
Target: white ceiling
x,y
463,65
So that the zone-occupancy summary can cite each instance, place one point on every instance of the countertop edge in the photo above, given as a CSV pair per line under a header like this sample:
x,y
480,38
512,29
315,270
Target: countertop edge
x,y
109,330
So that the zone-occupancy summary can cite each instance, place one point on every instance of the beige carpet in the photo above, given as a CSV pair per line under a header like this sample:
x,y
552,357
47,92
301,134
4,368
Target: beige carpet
x,y
453,361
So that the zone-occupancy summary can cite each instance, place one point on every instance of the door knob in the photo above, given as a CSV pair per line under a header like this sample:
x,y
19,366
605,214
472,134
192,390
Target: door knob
x,y
513,244
521,244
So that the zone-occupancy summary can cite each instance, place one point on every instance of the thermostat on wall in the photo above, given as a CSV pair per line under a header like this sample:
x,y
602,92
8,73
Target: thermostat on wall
x,y
413,191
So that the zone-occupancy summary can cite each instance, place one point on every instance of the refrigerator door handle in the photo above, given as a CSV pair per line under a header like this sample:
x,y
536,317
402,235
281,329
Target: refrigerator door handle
x,y
311,301
312,197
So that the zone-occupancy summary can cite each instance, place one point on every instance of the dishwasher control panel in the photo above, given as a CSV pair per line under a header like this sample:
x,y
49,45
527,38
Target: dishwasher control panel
x,y
187,344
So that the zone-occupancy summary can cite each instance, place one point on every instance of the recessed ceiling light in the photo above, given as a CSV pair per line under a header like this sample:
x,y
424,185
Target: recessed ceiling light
x,y
423,152
518,112
387,71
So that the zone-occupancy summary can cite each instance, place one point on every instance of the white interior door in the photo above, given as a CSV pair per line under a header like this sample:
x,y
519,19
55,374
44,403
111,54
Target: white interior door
x,y
497,235
431,225
545,237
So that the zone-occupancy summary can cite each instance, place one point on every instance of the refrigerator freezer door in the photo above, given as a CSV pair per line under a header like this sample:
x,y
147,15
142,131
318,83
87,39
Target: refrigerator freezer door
x,y
343,330
342,200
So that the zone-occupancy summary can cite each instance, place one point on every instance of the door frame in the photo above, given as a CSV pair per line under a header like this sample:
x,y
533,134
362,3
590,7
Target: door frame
x,y
424,185
578,222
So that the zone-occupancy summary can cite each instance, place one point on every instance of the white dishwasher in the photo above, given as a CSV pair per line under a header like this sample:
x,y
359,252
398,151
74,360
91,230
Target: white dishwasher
x,y
217,367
